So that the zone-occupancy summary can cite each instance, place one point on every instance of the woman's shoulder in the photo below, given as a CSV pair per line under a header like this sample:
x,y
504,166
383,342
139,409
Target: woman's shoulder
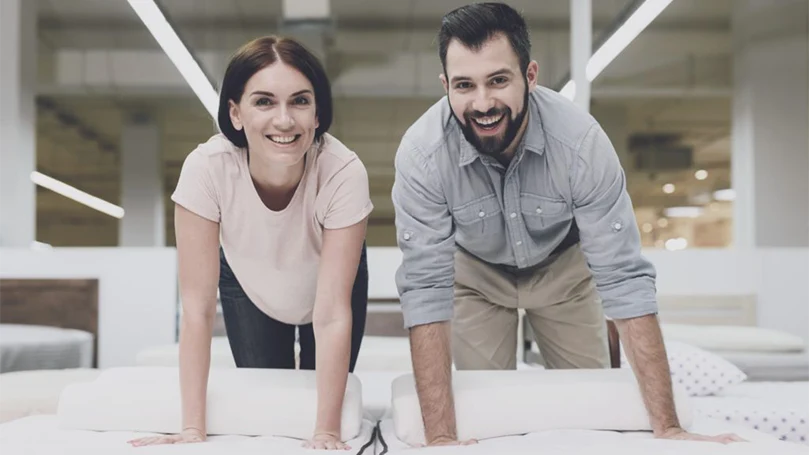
x,y
335,157
215,154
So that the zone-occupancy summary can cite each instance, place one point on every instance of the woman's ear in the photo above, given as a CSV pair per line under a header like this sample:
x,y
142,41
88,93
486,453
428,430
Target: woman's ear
x,y
235,116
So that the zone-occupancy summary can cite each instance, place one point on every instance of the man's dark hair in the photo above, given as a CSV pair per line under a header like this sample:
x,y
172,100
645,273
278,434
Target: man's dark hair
x,y
475,24
259,53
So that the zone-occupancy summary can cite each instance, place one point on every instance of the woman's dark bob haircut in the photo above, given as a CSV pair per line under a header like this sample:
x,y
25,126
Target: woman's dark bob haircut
x,y
258,54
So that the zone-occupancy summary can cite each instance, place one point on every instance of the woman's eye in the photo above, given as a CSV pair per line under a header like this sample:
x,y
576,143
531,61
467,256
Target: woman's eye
x,y
263,102
302,100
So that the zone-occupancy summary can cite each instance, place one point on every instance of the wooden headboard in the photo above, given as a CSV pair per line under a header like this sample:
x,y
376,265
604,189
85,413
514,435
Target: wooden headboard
x,y
65,303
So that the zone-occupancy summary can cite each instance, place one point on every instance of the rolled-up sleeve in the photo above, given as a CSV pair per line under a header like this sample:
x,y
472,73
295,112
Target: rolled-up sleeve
x,y
609,234
425,235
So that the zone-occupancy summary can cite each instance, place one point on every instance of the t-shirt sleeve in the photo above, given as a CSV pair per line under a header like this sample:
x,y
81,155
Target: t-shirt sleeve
x,y
195,189
347,197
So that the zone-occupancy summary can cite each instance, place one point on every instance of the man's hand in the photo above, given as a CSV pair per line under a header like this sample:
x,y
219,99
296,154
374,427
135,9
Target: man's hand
x,y
646,352
680,434
443,441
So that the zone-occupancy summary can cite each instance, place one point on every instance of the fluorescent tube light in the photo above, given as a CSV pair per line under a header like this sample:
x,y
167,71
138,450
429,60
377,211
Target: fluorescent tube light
x,y
618,41
77,195
166,37
683,212
725,195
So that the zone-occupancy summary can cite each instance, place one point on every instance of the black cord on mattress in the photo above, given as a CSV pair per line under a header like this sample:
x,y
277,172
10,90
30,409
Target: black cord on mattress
x,y
370,442
381,439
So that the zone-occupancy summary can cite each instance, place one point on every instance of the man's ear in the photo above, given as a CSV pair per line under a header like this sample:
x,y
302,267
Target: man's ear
x,y
444,82
235,116
531,75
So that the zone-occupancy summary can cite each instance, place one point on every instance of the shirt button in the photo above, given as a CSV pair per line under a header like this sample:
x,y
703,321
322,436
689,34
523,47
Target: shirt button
x,y
513,215
519,242
617,226
481,214
539,210
407,236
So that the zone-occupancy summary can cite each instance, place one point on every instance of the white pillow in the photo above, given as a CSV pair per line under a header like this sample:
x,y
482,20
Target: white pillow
x,y
241,401
699,372
733,338
491,404
34,392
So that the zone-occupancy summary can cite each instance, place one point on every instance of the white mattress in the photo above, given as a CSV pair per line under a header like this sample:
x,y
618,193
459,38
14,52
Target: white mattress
x,y
41,435
770,366
33,347
582,442
780,409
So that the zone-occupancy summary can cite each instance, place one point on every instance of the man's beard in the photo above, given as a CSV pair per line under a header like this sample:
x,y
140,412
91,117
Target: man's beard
x,y
493,146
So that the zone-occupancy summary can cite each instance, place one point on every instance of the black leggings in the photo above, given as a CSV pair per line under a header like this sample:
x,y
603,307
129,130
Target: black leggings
x,y
259,341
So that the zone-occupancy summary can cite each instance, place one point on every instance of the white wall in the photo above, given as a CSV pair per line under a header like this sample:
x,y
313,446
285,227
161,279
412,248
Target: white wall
x,y
779,277
137,292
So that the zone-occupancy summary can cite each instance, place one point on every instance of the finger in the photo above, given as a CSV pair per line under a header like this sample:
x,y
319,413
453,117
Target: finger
x,y
144,441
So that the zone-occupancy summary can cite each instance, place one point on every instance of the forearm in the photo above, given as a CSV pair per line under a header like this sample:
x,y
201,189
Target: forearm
x,y
430,350
195,361
643,343
333,351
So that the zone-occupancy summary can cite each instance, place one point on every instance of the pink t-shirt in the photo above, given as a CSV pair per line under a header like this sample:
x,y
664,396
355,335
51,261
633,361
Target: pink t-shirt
x,y
275,255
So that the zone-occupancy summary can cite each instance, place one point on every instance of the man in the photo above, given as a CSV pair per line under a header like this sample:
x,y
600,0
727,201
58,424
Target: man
x,y
507,196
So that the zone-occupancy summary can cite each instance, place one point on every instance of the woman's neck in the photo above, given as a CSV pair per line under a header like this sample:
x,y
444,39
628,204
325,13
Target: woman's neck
x,y
275,184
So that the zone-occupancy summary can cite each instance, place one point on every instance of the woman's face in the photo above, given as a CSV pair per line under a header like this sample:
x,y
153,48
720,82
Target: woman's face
x,y
277,113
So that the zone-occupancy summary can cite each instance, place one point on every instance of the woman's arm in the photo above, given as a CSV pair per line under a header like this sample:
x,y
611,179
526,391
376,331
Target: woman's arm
x,y
198,261
332,318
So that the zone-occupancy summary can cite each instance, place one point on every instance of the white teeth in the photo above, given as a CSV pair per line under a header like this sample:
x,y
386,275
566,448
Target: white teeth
x,y
282,139
488,120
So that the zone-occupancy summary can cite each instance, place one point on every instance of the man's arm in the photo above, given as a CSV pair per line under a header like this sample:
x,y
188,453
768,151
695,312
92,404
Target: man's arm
x,y
429,347
644,347
625,280
425,235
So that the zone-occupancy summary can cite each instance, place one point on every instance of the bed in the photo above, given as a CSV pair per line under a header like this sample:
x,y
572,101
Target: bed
x,y
36,347
42,434
725,325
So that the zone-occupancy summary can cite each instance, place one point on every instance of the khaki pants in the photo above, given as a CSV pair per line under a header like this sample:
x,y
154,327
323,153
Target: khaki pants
x,y
560,302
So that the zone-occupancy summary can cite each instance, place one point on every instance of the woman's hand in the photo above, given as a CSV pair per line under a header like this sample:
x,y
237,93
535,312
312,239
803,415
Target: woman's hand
x,y
189,435
326,441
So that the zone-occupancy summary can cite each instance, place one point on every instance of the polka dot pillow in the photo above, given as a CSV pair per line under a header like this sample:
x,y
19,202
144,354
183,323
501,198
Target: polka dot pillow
x,y
697,371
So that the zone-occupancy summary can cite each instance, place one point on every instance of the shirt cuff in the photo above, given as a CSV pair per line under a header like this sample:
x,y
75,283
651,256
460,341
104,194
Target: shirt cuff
x,y
426,306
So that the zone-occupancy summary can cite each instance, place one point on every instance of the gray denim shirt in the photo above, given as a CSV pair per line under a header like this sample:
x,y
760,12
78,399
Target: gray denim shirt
x,y
564,175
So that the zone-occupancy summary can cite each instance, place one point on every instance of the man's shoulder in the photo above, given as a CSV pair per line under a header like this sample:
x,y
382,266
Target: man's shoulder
x,y
429,132
562,121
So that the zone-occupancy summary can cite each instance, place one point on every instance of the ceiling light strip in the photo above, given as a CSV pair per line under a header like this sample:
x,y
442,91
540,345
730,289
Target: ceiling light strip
x,y
167,38
77,195
618,41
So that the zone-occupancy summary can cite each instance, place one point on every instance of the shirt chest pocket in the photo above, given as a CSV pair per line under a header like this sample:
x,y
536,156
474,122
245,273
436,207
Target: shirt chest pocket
x,y
481,216
540,212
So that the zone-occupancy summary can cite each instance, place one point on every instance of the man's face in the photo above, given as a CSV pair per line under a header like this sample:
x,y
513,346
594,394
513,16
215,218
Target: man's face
x,y
488,93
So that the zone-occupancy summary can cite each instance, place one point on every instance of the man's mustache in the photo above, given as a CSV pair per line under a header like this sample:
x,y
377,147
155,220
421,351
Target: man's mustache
x,y
490,113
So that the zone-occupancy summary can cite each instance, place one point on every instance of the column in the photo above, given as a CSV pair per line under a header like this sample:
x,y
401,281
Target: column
x,y
581,44
770,143
18,76
309,23
143,223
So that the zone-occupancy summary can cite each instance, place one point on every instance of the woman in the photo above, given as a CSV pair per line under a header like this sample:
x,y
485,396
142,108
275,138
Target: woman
x,y
275,210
